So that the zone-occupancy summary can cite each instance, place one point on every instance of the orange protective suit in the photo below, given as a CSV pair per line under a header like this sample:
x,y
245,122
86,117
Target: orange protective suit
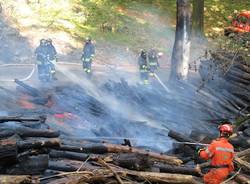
x,y
221,153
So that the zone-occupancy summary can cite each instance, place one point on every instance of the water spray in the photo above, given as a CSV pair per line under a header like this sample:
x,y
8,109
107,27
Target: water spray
x,y
141,139
162,84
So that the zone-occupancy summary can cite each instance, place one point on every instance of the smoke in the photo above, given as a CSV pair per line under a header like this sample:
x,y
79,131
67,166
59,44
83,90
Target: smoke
x,y
112,104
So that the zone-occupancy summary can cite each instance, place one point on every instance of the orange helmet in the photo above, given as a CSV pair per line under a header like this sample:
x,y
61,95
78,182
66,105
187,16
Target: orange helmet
x,y
226,128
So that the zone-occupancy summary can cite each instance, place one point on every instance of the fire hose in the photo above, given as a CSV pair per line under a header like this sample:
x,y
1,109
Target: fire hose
x,y
23,79
140,139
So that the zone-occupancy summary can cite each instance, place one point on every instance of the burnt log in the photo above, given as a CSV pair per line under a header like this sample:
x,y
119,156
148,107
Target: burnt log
x,y
29,132
21,119
133,161
177,169
38,143
30,165
8,151
201,136
30,90
13,179
68,155
98,148
61,166
6,133
181,138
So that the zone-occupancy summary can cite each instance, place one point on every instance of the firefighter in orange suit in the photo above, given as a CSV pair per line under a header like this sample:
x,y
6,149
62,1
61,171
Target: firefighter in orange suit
x,y
221,154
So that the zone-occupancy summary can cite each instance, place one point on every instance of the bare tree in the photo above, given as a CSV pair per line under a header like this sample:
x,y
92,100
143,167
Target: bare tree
x,y
198,18
181,50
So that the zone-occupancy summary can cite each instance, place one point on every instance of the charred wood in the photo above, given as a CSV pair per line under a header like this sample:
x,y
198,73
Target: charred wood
x,y
30,90
133,161
6,133
29,165
29,132
68,155
180,137
112,148
3,119
38,143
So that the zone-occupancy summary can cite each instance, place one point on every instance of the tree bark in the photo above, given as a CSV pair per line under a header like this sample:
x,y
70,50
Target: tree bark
x,y
13,179
198,18
181,50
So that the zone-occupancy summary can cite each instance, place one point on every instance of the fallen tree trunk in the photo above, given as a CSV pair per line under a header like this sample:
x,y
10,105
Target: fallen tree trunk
x,y
112,148
68,155
177,169
29,132
8,151
30,165
13,179
38,143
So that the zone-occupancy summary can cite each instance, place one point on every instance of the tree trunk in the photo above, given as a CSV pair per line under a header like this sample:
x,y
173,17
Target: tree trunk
x,y
198,18
181,51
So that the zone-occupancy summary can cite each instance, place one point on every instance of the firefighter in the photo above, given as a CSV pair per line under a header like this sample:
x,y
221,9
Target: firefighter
x,y
40,53
143,66
51,53
221,154
88,54
152,61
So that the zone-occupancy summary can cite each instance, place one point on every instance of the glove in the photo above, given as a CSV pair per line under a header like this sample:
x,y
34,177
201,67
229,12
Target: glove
x,y
198,149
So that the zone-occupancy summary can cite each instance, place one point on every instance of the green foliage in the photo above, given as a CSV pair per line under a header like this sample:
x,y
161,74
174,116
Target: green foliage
x,y
136,23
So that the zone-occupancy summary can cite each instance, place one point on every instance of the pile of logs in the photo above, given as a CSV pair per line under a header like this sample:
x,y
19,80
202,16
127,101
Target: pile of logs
x,y
30,152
